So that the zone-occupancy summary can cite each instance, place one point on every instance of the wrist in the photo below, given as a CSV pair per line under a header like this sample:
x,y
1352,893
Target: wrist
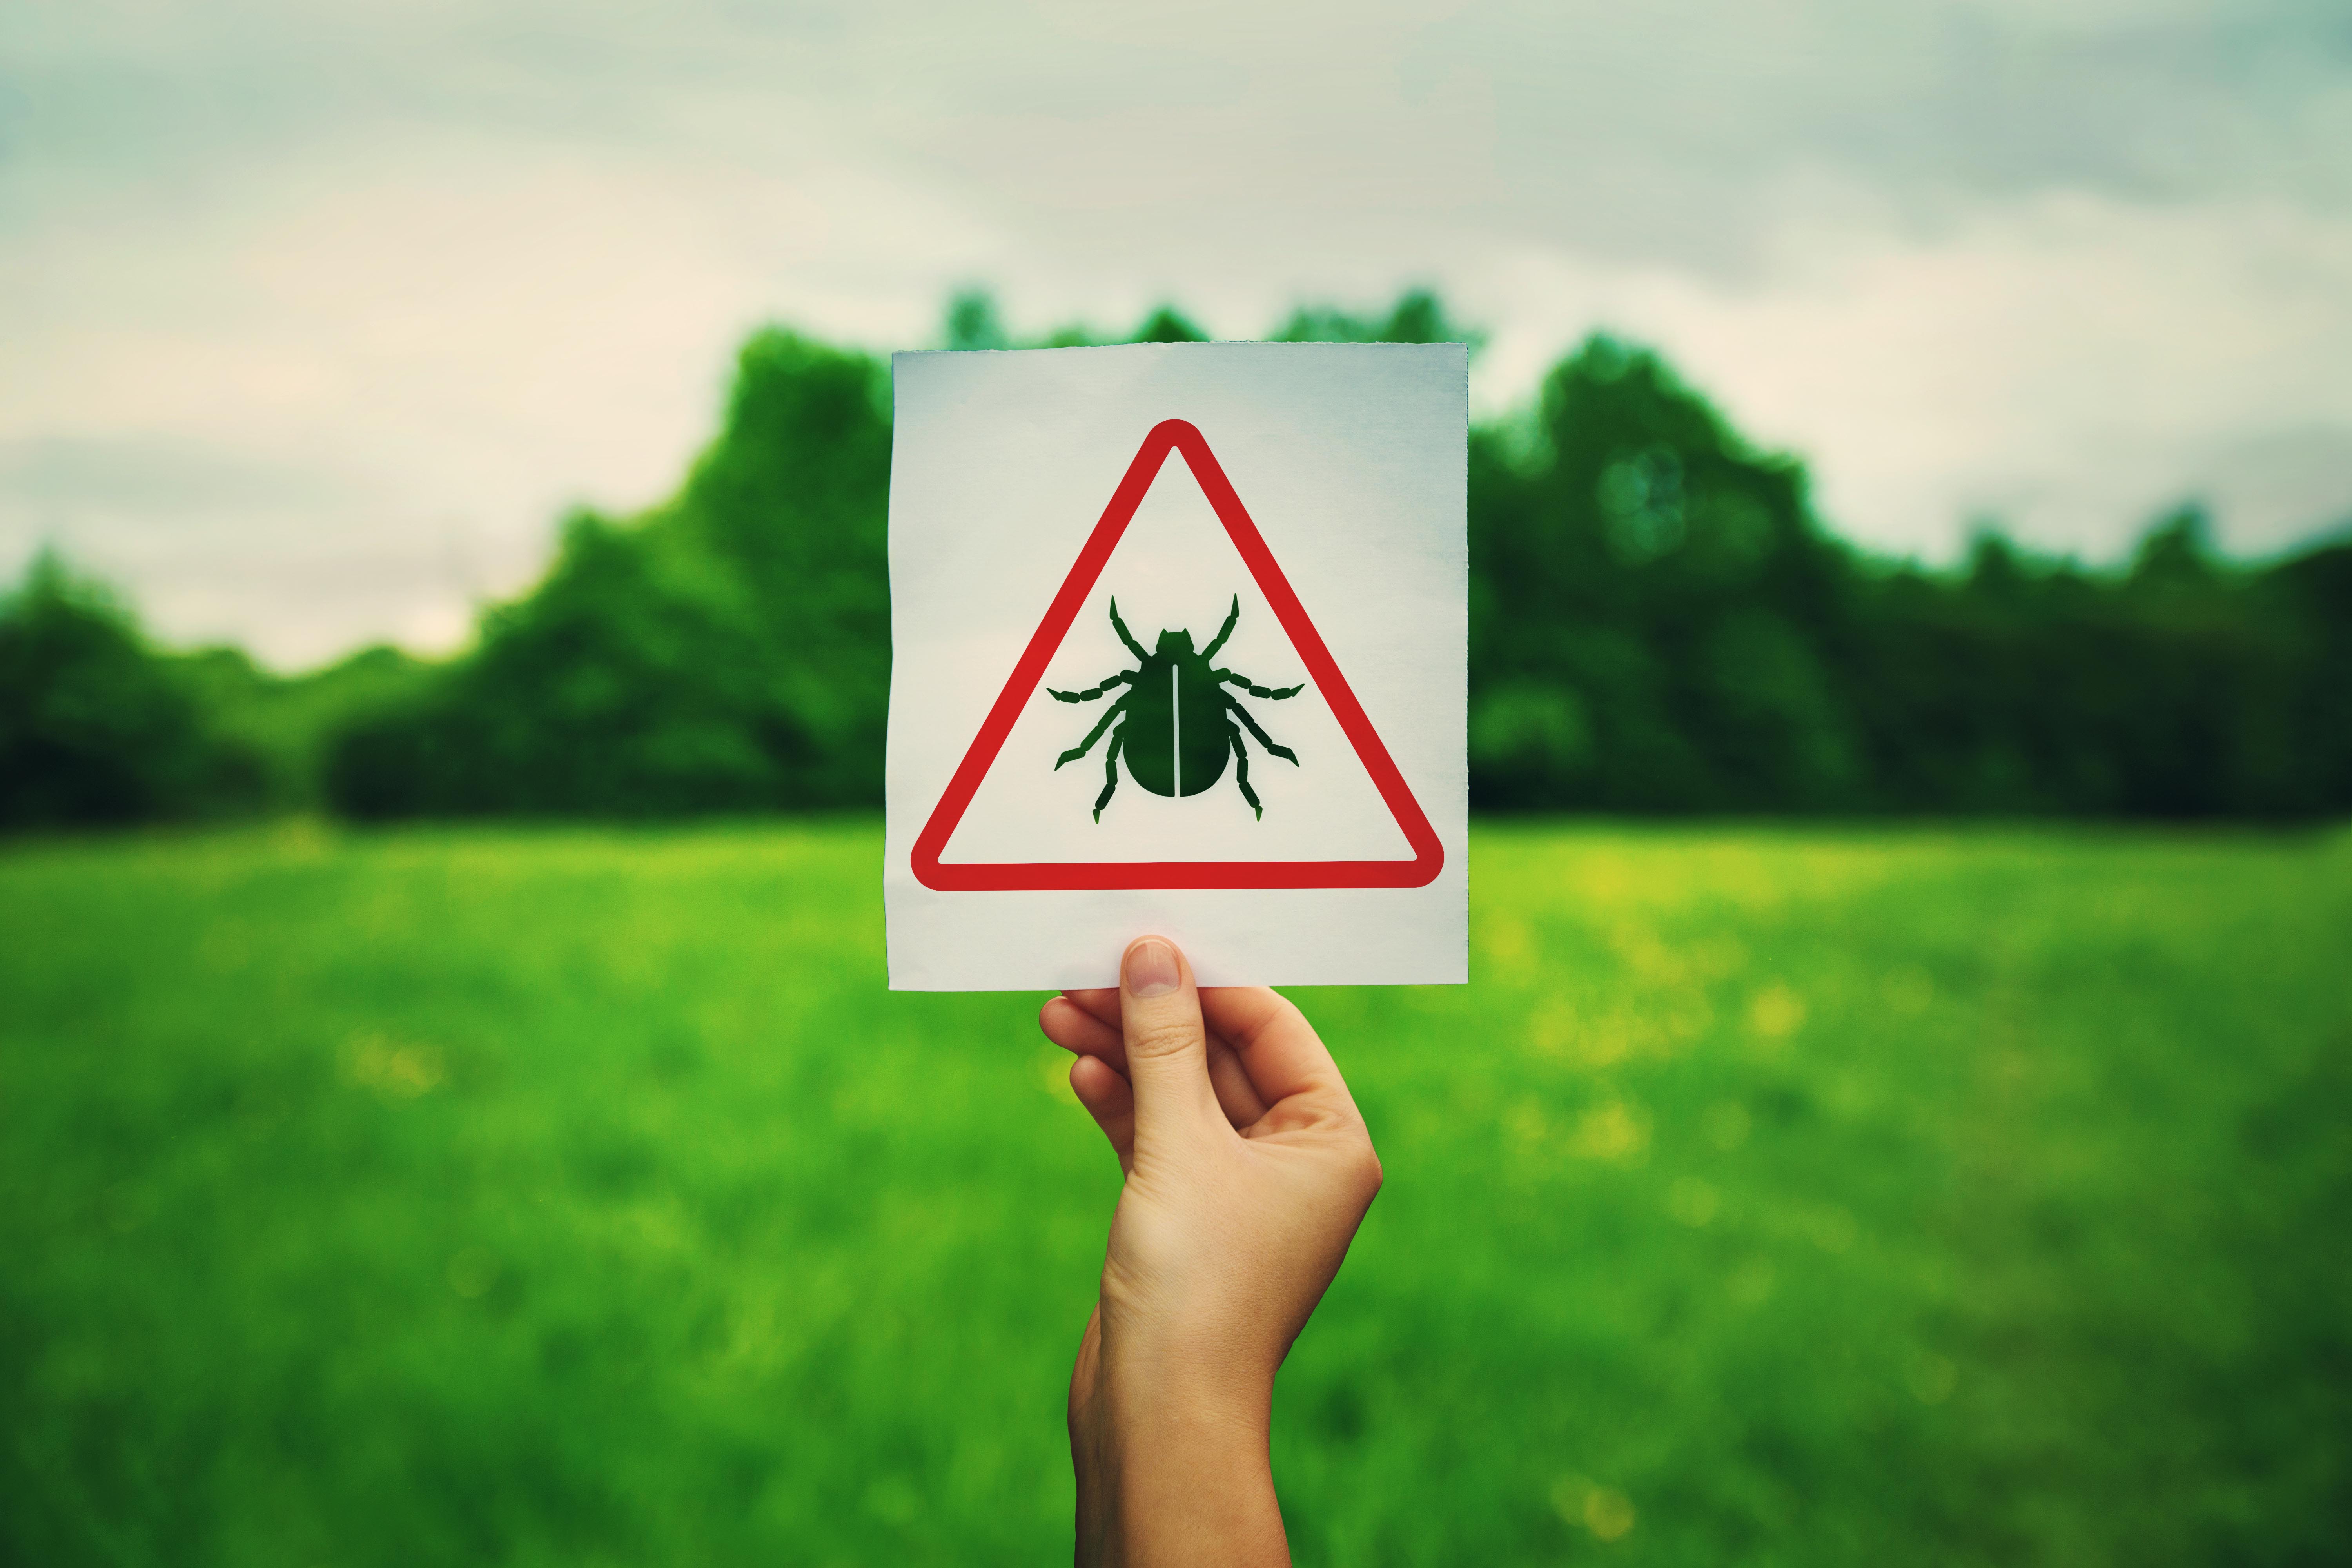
x,y
1137,1409
1154,1438
1145,1377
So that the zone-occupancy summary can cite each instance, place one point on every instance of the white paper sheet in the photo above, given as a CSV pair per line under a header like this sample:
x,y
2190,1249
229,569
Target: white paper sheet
x,y
1317,487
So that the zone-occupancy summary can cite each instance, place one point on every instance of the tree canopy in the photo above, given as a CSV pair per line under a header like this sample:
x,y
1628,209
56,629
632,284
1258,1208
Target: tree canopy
x,y
1660,622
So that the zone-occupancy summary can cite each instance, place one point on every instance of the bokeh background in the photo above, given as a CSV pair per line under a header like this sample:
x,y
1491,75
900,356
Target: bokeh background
x,y
449,1106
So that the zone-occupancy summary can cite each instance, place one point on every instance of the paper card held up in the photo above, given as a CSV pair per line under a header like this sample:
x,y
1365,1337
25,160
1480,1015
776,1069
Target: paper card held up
x,y
1179,637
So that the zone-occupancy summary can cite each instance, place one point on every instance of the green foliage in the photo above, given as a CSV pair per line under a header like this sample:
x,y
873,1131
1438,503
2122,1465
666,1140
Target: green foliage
x,y
729,653
972,321
1418,317
2179,688
629,681
95,728
1659,624
1803,1196
283,722
1164,325
1630,552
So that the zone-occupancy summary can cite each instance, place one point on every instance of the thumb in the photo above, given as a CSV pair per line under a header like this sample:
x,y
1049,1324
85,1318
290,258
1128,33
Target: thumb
x,y
1167,1046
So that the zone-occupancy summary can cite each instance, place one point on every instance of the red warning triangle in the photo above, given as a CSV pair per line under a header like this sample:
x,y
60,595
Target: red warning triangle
x,y
1428,855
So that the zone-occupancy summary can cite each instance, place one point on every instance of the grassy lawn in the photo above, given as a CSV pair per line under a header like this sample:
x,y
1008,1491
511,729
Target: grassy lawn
x,y
1800,1196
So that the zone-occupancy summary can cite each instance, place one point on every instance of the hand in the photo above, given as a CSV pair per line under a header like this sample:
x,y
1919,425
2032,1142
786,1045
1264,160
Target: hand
x,y
1248,1169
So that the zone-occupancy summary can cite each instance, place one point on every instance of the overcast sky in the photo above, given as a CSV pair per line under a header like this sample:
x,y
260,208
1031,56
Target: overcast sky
x,y
314,316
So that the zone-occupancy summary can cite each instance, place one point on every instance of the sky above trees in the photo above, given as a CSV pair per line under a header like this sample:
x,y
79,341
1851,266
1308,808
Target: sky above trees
x,y
316,316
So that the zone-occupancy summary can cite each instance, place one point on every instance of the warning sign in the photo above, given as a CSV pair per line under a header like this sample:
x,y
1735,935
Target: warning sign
x,y
1147,723
1177,644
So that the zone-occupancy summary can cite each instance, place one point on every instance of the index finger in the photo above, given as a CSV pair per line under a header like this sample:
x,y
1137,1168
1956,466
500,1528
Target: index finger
x,y
1102,1004
1279,1049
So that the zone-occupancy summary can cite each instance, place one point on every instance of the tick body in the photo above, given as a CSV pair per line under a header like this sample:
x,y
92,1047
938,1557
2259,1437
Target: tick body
x,y
1176,723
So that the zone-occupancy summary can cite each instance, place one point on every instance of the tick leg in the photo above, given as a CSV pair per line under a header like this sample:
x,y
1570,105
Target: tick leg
x,y
1083,747
1245,682
1225,631
1241,771
1111,772
1092,692
1242,713
1120,626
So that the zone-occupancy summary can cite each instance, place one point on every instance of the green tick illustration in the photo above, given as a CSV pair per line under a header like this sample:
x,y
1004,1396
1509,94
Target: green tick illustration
x,y
1175,720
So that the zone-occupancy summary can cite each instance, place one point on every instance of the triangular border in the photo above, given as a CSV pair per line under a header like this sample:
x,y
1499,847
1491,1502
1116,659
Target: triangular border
x,y
1174,435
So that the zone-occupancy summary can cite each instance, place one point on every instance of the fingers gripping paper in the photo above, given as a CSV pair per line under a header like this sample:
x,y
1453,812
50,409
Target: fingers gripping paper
x,y
1179,637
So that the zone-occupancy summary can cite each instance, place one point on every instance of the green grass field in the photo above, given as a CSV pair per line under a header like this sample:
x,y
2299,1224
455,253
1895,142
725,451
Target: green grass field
x,y
1771,1196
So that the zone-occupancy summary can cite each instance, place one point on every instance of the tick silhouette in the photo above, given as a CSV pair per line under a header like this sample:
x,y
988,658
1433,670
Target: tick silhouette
x,y
1175,720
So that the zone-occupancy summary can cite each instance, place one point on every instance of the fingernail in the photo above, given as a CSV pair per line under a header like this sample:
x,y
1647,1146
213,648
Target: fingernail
x,y
1151,968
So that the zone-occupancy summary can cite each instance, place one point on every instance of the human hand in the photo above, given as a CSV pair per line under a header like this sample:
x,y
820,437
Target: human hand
x,y
1248,1169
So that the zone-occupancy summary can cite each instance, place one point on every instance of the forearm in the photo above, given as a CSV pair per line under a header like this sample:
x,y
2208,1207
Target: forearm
x,y
1170,1471
1246,1174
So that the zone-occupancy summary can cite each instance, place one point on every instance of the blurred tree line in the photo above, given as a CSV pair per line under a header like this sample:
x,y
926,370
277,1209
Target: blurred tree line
x,y
1659,623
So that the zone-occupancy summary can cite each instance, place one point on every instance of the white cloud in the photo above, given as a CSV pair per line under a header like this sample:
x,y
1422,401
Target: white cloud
x,y
318,316
2067,363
